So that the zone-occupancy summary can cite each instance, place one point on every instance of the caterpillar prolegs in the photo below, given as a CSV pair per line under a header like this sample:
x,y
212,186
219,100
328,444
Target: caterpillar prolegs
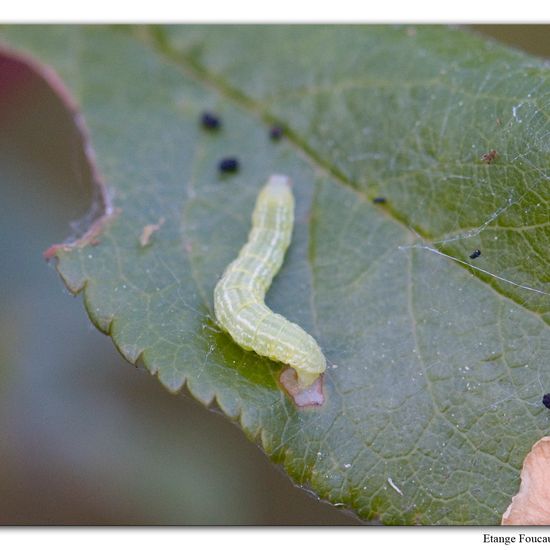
x,y
239,295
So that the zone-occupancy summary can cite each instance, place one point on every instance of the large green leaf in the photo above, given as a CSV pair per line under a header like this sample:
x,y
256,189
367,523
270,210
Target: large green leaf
x,y
438,361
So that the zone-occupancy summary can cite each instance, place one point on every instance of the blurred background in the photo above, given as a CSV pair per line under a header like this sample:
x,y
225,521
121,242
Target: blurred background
x,y
84,437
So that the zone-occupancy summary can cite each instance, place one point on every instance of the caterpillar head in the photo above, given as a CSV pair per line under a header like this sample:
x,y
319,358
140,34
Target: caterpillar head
x,y
308,362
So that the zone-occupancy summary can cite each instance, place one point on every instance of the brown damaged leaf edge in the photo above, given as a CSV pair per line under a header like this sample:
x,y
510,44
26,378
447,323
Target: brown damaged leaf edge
x,y
531,506
107,212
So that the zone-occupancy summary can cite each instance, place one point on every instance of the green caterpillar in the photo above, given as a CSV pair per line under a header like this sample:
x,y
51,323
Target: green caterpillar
x,y
239,295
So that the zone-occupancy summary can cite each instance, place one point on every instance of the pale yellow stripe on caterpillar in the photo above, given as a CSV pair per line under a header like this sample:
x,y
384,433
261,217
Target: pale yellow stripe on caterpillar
x,y
239,295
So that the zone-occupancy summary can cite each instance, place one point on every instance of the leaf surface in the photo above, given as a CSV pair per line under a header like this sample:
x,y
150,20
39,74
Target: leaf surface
x,y
438,362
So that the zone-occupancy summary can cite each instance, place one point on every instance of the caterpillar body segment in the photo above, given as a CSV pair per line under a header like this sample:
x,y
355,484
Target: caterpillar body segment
x,y
239,294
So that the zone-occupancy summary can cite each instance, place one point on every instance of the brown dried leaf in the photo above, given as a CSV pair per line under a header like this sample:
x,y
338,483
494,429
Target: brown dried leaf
x,y
531,506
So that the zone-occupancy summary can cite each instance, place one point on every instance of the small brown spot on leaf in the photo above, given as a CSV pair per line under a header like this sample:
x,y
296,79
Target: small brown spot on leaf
x,y
489,157
148,230
312,396
531,506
